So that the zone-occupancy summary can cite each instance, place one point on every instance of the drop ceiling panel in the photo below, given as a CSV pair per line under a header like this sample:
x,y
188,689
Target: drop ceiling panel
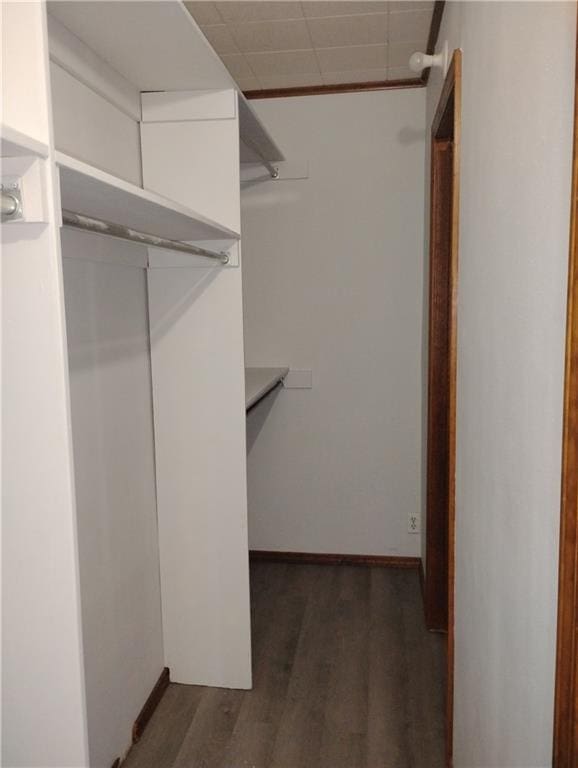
x,y
352,58
348,30
282,44
258,11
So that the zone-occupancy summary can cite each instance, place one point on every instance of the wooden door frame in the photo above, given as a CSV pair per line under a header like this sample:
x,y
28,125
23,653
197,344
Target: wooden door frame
x,y
565,747
440,554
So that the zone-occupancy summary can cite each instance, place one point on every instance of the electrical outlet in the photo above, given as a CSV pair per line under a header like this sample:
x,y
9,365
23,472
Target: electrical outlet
x,y
413,522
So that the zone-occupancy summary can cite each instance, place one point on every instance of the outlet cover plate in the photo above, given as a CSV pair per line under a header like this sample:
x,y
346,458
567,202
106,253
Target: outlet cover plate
x,y
413,523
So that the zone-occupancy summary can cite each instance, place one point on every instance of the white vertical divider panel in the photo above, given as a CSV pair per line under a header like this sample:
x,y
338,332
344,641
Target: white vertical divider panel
x,y
43,696
190,149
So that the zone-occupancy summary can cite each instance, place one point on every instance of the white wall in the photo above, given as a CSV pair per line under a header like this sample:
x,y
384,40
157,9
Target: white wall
x,y
110,383
333,282
518,94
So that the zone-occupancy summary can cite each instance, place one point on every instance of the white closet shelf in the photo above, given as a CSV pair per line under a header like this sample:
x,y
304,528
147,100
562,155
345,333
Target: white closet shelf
x,y
260,381
158,46
16,144
92,192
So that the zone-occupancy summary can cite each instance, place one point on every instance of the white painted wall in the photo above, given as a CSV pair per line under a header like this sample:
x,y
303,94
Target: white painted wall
x,y
110,383
333,282
518,95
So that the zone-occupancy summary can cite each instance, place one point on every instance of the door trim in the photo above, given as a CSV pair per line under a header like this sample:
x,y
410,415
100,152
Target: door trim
x,y
565,746
446,124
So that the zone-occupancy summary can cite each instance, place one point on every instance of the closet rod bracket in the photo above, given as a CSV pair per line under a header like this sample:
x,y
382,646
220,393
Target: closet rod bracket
x,y
11,201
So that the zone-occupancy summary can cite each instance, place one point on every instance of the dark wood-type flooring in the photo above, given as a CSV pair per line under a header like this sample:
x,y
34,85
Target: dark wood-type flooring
x,y
345,676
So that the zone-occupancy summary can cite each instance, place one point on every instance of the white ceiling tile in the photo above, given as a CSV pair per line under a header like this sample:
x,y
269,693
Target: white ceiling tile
x,y
248,83
313,9
348,30
288,35
283,63
220,38
411,5
237,65
204,12
352,58
285,44
259,11
401,73
355,76
399,53
409,25
290,81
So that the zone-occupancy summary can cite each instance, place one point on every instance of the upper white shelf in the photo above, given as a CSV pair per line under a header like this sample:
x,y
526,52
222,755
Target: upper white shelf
x,y
95,193
158,46
260,381
13,143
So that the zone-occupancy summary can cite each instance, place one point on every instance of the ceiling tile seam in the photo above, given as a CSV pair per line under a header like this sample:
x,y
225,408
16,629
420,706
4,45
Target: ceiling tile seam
x,y
384,44
387,11
250,67
319,16
278,22
349,15
264,20
216,7
231,31
245,61
388,53
314,49
388,31
342,17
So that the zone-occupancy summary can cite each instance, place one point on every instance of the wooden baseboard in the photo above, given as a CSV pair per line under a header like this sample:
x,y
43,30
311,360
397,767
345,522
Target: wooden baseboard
x,y
150,705
315,558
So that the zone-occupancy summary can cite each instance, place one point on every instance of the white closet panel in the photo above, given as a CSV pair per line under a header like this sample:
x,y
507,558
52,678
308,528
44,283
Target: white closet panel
x,y
76,58
196,321
206,154
24,99
90,128
198,385
112,427
43,701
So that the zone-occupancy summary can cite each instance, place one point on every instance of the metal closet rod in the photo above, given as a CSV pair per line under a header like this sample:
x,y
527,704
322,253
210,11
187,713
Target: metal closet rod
x,y
101,227
273,170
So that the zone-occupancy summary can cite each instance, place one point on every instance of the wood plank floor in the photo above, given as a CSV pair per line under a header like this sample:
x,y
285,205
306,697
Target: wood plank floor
x,y
345,676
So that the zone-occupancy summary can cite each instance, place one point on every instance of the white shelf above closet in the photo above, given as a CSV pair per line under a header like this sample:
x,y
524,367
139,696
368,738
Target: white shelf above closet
x,y
260,381
157,46
92,192
13,143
